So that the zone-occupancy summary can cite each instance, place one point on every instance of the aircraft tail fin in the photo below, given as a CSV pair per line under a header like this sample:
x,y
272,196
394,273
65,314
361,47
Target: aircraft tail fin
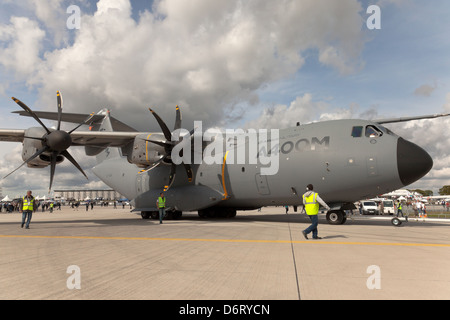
x,y
102,152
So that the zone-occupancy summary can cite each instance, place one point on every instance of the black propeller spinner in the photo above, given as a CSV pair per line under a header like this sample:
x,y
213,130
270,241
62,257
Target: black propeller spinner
x,y
168,145
55,142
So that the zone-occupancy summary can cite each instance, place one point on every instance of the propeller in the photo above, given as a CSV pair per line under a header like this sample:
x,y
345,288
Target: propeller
x,y
56,142
168,146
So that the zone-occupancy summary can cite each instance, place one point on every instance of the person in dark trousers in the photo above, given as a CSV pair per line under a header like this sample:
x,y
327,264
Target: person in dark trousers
x,y
311,203
161,205
27,206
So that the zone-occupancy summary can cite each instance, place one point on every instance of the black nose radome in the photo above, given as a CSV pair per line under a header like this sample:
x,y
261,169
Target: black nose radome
x,y
413,162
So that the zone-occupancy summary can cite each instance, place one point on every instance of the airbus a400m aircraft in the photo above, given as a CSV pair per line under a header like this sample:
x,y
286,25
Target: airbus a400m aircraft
x,y
347,160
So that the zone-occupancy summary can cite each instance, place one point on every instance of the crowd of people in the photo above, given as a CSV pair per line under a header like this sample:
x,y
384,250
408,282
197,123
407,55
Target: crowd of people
x,y
43,206
14,206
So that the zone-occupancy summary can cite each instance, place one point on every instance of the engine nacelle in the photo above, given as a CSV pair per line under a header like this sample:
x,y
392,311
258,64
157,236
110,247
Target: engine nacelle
x,y
145,153
31,146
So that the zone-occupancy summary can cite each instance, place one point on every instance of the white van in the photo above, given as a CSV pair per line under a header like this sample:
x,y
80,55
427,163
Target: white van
x,y
388,207
369,207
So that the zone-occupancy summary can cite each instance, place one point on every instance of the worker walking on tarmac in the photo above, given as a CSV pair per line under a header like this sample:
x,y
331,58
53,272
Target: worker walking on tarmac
x,y
311,201
161,205
399,209
27,206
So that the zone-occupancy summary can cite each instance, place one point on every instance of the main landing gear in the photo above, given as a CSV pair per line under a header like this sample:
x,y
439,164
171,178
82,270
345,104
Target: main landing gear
x,y
336,217
217,213
396,222
170,214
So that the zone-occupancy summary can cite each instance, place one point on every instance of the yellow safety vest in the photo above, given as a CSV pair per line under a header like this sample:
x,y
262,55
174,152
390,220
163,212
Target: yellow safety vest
x,y
27,204
162,202
311,204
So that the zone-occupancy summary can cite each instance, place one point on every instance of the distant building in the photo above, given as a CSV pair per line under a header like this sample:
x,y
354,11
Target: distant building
x,y
81,195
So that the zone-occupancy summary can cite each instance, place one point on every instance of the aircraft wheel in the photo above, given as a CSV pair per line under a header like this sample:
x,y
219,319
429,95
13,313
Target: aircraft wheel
x,y
336,217
154,215
175,215
145,214
203,214
231,213
396,222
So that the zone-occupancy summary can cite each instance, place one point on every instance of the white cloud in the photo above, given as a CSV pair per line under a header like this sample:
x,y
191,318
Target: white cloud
x,y
210,58
205,57
52,14
20,44
66,175
434,137
425,90
302,109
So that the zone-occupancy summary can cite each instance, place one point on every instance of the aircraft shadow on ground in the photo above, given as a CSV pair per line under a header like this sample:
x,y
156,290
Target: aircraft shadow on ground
x,y
193,218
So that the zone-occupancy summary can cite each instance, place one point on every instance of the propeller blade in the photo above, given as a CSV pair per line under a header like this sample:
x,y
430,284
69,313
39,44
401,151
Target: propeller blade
x,y
59,104
35,138
38,153
162,125
172,175
28,110
52,169
89,118
66,154
188,169
178,119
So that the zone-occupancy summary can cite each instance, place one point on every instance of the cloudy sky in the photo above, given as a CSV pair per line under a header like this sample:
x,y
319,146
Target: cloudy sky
x,y
229,63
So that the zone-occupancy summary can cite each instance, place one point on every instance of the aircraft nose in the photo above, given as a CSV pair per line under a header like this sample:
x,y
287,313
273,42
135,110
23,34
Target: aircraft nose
x,y
412,161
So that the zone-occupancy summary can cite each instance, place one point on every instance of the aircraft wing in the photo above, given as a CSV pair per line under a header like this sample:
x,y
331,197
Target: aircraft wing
x,y
80,138
405,119
121,136
79,118
102,138
13,135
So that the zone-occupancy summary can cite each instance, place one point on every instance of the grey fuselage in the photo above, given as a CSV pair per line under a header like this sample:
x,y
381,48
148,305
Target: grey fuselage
x,y
345,160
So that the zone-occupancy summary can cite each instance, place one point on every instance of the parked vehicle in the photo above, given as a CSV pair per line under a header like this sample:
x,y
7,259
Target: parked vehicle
x,y
388,207
369,207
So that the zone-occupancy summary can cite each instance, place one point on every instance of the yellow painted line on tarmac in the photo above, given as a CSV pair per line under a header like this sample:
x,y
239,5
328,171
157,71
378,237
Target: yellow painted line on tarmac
x,y
322,242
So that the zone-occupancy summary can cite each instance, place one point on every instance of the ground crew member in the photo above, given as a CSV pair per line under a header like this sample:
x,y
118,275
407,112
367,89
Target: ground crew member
x,y
311,201
399,209
27,206
161,205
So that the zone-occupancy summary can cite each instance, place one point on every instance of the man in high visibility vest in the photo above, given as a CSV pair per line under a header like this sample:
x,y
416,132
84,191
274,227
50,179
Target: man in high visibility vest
x,y
311,204
161,205
400,210
27,206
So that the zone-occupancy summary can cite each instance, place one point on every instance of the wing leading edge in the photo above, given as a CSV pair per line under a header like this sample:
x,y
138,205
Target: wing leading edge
x,y
406,119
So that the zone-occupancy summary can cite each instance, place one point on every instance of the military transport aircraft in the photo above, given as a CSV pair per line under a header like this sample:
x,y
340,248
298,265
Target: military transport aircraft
x,y
345,160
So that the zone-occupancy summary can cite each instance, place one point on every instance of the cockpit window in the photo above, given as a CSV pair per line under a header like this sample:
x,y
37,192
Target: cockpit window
x,y
384,129
357,131
373,132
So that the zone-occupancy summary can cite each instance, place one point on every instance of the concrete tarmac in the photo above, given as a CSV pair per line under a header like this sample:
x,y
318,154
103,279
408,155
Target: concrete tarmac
x,y
114,254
